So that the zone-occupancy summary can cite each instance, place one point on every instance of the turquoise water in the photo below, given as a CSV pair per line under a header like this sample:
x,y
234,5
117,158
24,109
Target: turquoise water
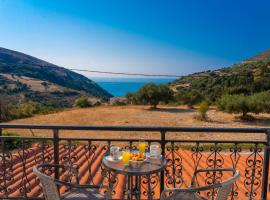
x,y
120,86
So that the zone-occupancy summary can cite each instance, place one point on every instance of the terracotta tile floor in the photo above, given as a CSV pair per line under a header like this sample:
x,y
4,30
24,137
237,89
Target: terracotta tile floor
x,y
90,168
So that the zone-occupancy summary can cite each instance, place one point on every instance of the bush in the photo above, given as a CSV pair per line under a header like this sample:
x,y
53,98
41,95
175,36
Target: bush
x,y
119,103
203,108
26,109
14,143
82,102
11,144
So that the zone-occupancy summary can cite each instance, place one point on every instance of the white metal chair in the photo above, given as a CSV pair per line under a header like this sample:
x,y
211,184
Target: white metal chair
x,y
192,192
77,191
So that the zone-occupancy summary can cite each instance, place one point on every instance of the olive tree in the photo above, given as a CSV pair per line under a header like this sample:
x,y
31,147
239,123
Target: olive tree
x,y
256,103
154,94
234,104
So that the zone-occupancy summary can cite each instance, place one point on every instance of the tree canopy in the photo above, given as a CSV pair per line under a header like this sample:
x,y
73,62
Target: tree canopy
x,y
244,78
151,94
256,103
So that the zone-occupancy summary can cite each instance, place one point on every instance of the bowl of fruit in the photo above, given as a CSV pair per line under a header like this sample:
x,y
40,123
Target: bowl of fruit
x,y
137,159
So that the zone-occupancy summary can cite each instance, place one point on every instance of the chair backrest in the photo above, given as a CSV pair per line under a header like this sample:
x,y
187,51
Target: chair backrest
x,y
49,187
226,186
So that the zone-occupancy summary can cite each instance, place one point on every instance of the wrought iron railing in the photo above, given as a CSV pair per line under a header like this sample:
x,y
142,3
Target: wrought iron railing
x,y
19,154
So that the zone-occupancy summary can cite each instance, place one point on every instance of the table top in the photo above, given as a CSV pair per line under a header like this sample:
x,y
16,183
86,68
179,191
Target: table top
x,y
150,166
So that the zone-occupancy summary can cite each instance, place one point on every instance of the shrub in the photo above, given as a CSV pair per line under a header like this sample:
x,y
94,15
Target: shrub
x,y
203,108
119,103
26,109
82,102
12,143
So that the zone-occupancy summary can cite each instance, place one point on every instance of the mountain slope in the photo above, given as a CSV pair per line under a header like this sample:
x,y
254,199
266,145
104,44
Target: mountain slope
x,y
249,76
260,57
35,79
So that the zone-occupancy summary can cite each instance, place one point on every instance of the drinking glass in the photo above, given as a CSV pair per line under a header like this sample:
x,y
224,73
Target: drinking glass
x,y
142,147
126,157
154,150
114,152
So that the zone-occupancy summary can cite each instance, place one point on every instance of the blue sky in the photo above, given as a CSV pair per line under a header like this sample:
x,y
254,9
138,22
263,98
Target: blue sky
x,y
151,36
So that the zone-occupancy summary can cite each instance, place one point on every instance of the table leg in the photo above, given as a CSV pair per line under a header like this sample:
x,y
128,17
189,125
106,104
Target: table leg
x,y
129,188
139,182
137,188
112,180
149,187
106,180
134,187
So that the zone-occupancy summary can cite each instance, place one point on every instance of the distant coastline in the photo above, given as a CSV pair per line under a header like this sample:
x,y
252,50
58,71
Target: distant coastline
x,y
120,86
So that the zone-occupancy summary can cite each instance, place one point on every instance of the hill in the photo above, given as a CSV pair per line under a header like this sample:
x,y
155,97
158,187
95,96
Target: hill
x,y
247,77
23,77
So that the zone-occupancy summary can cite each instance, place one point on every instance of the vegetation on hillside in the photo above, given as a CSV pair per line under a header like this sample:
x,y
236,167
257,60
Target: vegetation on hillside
x,y
30,86
245,78
12,62
243,88
10,111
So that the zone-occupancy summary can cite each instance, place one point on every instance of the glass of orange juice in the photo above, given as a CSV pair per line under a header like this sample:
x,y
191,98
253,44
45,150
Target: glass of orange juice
x,y
126,157
142,147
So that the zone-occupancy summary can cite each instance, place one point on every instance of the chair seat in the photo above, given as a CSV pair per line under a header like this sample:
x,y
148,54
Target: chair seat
x,y
83,194
184,196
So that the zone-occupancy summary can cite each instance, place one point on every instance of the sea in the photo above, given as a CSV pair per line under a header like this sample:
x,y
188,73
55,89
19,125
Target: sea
x,y
120,86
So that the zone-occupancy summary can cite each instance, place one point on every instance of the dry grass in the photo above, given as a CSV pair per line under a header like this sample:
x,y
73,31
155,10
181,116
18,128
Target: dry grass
x,y
179,116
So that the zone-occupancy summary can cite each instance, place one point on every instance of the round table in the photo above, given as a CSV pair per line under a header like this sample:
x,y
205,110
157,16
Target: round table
x,y
135,175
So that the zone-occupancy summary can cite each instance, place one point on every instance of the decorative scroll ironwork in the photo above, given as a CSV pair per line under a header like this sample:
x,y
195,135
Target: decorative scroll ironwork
x,y
110,180
173,171
70,156
235,156
149,185
24,154
90,153
196,155
17,180
213,161
44,154
6,172
253,172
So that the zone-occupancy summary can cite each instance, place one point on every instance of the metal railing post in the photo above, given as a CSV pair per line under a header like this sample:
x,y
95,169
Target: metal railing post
x,y
1,133
162,143
56,151
266,166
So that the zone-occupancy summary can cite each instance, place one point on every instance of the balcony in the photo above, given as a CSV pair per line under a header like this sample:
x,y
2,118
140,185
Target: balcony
x,y
251,157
